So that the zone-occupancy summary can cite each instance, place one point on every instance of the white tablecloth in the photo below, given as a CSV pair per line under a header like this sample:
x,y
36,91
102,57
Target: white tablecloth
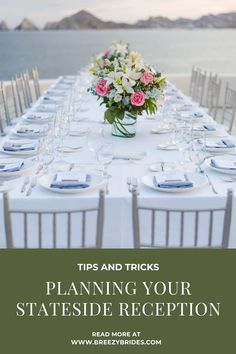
x,y
118,221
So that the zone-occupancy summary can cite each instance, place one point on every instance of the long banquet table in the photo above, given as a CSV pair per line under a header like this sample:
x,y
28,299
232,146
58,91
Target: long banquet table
x,y
118,220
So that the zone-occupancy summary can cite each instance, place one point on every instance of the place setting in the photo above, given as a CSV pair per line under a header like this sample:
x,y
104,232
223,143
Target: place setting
x,y
174,182
71,182
30,131
19,147
11,167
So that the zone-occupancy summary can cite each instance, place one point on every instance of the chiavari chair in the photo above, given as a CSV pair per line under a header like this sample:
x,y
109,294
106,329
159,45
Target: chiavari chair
x,y
229,108
193,80
11,103
21,93
213,95
3,117
165,216
199,87
35,76
75,219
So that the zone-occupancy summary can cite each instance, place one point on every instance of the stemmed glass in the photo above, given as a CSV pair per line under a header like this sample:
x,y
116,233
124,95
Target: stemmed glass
x,y
46,154
198,153
105,157
96,139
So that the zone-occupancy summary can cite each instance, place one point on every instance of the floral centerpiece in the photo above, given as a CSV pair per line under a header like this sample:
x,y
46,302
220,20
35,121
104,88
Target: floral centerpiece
x,y
100,62
128,88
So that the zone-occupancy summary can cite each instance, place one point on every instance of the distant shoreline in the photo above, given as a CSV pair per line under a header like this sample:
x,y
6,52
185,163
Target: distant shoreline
x,y
119,29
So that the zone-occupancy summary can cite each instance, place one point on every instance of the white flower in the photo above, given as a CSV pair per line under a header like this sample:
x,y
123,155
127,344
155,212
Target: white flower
x,y
128,85
117,98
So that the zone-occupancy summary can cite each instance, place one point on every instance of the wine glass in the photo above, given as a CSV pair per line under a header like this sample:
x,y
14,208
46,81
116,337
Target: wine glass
x,y
46,155
105,157
198,153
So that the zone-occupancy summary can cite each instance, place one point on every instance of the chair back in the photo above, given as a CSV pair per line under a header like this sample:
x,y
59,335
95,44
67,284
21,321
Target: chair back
x,y
11,103
29,95
213,95
3,119
193,80
199,88
229,108
35,77
75,221
21,94
160,220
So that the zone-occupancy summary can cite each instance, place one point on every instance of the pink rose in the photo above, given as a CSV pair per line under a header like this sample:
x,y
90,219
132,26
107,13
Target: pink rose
x,y
102,88
147,78
137,98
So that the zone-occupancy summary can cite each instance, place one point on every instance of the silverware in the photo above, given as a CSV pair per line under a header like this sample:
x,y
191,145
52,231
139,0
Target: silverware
x,y
33,184
211,184
25,183
129,183
72,165
228,179
40,167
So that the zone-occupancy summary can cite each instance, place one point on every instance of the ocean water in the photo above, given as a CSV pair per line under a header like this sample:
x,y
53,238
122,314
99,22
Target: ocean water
x,y
64,52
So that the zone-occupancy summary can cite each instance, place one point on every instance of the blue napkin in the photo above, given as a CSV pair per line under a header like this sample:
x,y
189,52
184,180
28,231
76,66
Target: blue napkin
x,y
198,114
207,127
18,147
70,183
29,131
13,167
228,143
182,182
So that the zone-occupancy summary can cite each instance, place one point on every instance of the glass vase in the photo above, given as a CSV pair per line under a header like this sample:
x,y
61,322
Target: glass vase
x,y
125,128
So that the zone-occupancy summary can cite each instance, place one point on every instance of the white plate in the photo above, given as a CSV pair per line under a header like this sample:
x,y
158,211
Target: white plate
x,y
30,135
221,170
96,182
199,180
26,169
19,153
39,118
220,150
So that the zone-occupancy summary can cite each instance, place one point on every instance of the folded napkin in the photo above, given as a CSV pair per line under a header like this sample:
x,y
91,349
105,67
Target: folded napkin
x,y
71,180
172,180
39,117
13,146
191,115
221,143
224,164
185,107
25,130
198,114
205,127
11,167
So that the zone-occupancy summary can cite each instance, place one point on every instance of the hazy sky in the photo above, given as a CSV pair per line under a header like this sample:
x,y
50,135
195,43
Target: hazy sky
x,y
41,11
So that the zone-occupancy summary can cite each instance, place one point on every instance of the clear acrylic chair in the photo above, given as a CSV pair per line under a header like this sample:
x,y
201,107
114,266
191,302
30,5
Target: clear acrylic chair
x,y
48,221
180,222
35,77
229,108
213,95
